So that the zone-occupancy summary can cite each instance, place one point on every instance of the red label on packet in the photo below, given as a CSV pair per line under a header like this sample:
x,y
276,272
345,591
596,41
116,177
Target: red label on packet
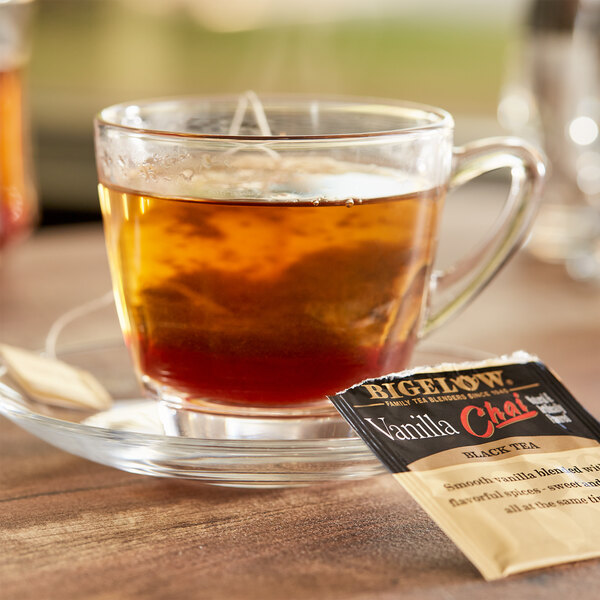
x,y
499,453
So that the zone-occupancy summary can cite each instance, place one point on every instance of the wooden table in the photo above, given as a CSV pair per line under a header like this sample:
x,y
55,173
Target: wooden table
x,y
74,529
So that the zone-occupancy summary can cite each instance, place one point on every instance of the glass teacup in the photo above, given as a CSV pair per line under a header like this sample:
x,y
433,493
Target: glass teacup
x,y
266,254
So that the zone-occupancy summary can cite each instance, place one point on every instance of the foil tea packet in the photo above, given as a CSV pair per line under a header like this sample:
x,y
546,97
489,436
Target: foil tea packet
x,y
498,452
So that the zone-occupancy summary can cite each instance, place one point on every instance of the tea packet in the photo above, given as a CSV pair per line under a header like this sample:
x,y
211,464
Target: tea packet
x,y
54,382
498,452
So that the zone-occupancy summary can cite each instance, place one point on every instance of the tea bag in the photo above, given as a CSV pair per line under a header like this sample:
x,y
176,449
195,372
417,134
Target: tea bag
x,y
499,454
54,382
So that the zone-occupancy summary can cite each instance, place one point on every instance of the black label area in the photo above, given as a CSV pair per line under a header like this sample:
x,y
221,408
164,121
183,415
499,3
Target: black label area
x,y
407,418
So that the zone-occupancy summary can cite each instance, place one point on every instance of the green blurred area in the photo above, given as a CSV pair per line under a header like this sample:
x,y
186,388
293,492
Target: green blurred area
x,y
92,53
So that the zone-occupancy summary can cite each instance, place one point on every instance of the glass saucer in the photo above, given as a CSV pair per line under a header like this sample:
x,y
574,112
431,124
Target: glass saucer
x,y
130,436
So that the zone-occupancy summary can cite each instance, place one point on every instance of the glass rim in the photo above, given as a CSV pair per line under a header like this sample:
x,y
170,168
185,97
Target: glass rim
x,y
438,117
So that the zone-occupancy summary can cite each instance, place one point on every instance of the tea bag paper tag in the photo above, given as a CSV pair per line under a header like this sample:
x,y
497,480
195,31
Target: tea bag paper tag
x,y
54,382
499,454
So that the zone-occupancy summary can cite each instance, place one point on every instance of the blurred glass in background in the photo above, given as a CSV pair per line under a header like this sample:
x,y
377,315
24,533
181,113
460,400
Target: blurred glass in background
x,y
17,193
93,53
552,96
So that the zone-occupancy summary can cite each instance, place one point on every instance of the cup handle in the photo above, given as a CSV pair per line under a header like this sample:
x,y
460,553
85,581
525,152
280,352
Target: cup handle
x,y
452,289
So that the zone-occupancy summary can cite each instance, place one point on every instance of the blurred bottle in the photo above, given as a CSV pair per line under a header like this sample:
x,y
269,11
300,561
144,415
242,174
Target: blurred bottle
x,y
18,203
552,97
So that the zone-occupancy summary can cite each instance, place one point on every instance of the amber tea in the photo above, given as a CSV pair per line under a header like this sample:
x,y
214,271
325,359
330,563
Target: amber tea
x,y
17,194
260,303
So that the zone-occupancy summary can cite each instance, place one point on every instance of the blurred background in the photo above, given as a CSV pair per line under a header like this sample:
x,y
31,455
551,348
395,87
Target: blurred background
x,y
88,54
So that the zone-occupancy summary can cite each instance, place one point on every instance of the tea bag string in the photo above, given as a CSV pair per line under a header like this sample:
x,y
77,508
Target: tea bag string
x,y
250,97
65,319
72,315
